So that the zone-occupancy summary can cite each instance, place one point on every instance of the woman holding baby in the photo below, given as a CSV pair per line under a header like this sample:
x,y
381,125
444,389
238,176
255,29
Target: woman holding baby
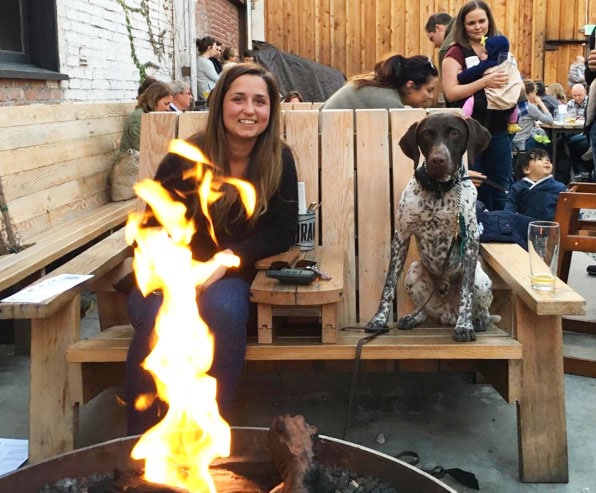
x,y
473,23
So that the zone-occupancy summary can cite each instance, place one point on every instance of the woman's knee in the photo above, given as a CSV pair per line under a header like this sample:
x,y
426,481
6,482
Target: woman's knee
x,y
227,299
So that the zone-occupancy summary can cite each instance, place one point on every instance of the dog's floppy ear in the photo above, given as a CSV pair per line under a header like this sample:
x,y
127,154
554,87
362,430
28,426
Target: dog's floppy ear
x,y
409,144
478,139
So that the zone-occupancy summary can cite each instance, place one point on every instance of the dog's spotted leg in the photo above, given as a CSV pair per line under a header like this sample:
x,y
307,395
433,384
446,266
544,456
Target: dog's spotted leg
x,y
399,250
483,297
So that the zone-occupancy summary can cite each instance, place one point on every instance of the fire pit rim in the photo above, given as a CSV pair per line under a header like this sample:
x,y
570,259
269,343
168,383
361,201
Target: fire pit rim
x,y
248,443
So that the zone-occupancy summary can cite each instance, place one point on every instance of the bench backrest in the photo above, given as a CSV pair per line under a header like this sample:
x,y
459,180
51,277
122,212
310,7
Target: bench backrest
x,y
304,105
55,160
351,162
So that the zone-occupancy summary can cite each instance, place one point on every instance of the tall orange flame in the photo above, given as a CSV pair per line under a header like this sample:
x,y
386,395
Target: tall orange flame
x,y
179,449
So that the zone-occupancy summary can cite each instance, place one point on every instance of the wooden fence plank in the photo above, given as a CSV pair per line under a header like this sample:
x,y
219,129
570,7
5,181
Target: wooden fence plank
x,y
350,36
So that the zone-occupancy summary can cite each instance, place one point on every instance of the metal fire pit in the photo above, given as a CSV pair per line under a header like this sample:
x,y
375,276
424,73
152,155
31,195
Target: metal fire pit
x,y
249,446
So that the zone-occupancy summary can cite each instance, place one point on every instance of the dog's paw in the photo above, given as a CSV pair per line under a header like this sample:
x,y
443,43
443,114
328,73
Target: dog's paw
x,y
464,333
377,323
407,322
485,321
481,322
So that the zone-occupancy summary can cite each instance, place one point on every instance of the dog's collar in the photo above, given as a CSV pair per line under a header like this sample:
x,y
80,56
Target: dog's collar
x,y
439,187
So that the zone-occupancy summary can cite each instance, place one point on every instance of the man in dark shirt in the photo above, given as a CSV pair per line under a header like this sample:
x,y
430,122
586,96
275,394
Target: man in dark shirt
x,y
216,60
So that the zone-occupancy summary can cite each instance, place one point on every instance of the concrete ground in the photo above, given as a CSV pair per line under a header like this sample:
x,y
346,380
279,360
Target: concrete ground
x,y
446,418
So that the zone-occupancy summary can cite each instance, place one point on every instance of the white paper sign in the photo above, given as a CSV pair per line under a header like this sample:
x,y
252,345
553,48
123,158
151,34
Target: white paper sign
x,y
47,289
13,453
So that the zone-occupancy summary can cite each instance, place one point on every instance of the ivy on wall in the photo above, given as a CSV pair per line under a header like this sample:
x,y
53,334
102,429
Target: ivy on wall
x,y
155,40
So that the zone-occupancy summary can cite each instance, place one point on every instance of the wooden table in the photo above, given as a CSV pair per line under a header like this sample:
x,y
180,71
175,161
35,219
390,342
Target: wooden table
x,y
561,129
324,296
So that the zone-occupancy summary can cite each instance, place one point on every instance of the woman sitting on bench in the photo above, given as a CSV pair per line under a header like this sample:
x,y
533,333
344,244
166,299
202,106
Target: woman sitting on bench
x,y
242,140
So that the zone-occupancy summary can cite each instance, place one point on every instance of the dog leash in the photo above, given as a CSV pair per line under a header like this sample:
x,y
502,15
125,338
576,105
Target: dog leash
x,y
366,339
356,371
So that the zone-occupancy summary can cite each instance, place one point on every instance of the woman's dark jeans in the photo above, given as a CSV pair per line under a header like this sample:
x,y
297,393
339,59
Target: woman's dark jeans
x,y
224,307
496,163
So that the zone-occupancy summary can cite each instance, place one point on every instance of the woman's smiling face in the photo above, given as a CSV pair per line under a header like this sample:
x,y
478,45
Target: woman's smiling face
x,y
246,107
476,25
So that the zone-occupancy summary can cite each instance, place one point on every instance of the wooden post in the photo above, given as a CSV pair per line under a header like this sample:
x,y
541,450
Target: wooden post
x,y
52,418
542,430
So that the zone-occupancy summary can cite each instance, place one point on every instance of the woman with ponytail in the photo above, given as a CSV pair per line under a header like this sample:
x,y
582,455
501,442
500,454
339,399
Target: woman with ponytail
x,y
396,82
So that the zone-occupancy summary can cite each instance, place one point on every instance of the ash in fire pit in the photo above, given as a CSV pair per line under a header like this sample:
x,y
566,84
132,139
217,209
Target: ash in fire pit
x,y
335,480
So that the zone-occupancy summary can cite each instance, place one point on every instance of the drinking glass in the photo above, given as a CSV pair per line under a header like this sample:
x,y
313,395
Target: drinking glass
x,y
543,247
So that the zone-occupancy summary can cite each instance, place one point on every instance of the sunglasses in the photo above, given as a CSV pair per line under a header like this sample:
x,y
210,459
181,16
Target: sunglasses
x,y
301,264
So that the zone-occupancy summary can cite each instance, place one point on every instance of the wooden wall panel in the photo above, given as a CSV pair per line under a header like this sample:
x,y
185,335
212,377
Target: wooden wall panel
x,y
351,35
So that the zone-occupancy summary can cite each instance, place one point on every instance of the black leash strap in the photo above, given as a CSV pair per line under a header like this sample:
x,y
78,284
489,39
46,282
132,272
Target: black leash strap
x,y
465,478
356,371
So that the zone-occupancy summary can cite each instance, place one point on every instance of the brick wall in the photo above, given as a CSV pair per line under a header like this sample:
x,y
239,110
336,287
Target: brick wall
x,y
96,53
218,18
19,91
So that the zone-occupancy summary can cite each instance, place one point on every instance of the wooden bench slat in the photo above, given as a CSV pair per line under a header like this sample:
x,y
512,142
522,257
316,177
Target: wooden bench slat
x,y
55,243
97,260
337,212
373,180
434,343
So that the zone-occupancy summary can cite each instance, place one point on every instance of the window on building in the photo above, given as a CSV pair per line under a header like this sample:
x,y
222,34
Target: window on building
x,y
29,40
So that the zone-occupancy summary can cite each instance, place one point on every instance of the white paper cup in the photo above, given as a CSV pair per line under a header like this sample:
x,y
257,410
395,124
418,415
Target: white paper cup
x,y
543,247
305,233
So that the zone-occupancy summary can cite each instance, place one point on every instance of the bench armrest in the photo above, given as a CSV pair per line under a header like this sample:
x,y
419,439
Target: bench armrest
x,y
510,261
97,260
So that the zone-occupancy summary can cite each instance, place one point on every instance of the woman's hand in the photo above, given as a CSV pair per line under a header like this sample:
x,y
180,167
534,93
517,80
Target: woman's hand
x,y
592,61
495,79
476,177
217,274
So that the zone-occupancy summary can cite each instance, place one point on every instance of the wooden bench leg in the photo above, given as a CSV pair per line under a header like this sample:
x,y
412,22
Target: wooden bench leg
x,y
52,418
542,431
329,319
265,324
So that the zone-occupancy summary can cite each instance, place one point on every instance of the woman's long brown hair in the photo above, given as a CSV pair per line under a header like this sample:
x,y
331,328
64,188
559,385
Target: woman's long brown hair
x,y
265,161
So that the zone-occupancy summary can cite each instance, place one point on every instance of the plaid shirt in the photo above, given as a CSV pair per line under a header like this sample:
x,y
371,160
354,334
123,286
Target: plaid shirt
x,y
578,108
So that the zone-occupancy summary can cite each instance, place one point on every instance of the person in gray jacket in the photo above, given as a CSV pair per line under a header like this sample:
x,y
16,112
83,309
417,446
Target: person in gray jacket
x,y
207,76
537,112
396,82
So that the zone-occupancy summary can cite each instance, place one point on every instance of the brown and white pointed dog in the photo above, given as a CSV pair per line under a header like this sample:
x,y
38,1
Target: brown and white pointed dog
x,y
437,207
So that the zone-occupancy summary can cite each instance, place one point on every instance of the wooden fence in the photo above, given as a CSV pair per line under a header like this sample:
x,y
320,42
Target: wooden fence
x,y
350,35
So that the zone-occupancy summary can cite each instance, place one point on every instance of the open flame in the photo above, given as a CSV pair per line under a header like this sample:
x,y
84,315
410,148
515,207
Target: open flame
x,y
179,449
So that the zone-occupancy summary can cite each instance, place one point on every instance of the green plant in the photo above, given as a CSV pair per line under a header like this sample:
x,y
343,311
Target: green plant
x,y
156,41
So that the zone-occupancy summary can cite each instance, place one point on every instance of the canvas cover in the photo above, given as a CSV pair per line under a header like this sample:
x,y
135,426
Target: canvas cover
x,y
316,82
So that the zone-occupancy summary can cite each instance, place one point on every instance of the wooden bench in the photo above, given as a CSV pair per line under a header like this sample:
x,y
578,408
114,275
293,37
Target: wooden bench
x,y
351,162
54,164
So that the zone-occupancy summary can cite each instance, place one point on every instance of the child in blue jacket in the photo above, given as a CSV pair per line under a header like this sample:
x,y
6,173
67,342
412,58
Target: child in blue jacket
x,y
535,192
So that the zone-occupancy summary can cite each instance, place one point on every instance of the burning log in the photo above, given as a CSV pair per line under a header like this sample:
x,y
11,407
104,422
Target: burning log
x,y
291,443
